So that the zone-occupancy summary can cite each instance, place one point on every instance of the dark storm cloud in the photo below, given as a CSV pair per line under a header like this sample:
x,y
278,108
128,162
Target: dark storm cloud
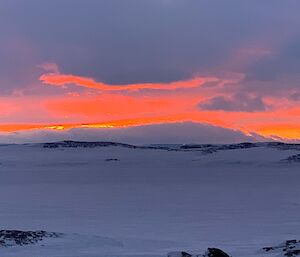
x,y
128,41
236,103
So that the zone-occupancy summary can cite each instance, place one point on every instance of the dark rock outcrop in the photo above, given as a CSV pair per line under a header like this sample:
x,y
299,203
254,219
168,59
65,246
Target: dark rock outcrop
x,y
289,248
215,252
112,160
82,144
204,148
19,238
211,252
179,254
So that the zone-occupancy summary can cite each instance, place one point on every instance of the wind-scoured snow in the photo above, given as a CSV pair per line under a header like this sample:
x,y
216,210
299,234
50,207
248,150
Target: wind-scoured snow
x,y
110,199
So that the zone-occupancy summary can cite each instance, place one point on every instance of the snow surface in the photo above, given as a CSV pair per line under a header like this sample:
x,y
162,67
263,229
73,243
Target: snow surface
x,y
148,202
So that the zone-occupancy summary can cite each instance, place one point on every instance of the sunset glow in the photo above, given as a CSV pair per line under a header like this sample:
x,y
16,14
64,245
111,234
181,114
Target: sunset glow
x,y
105,106
120,74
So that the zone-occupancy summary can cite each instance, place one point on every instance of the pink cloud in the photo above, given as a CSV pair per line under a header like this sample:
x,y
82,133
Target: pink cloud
x,y
57,79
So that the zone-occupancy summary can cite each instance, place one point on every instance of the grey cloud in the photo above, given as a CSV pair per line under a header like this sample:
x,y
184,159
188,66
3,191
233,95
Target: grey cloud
x,y
237,103
174,133
126,41
285,62
295,96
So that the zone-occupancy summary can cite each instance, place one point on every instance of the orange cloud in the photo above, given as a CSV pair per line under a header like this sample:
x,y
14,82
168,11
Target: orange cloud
x,y
57,79
109,106
266,128
117,110
112,107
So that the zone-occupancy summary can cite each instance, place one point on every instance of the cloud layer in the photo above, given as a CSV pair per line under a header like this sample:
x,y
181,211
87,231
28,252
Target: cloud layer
x,y
235,103
229,64
58,79
170,133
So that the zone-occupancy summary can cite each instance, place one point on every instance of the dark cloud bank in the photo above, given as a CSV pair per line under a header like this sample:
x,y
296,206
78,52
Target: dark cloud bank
x,y
128,41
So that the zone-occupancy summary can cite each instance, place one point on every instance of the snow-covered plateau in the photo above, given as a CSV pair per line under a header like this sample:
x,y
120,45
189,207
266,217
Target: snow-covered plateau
x,y
96,199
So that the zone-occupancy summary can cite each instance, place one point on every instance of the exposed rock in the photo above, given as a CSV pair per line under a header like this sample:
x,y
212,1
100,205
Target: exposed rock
x,y
112,160
211,252
293,158
179,254
289,248
215,252
75,144
17,237
212,148
204,148
292,253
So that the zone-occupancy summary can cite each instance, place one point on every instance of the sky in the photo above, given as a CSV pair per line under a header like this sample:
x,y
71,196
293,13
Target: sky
x,y
134,70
